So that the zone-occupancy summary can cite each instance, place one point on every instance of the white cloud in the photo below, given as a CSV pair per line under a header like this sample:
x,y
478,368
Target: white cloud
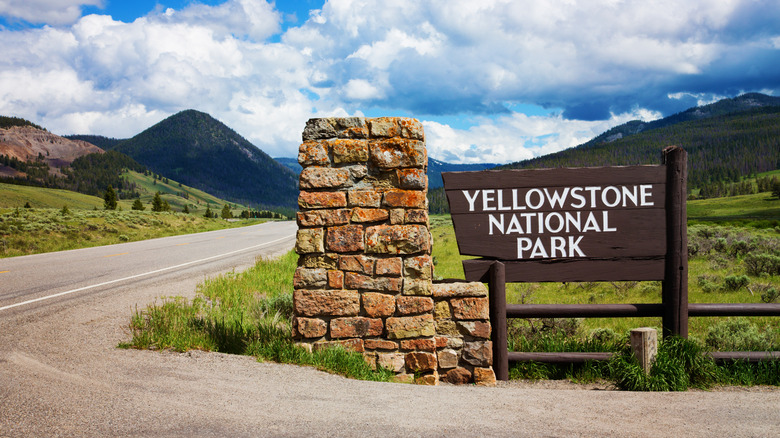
x,y
54,12
361,89
255,19
517,137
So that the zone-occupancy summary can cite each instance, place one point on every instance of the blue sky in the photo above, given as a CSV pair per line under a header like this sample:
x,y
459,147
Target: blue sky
x,y
491,81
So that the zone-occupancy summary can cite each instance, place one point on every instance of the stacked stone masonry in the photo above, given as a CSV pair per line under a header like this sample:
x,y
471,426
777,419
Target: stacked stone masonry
x,y
365,273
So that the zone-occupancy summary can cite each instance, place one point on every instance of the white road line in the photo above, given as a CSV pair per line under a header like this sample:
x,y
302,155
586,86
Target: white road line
x,y
139,275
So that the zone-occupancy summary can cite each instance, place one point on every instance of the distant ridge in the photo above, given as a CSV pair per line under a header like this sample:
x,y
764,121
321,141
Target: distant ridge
x,y
194,148
724,140
435,168
742,103
97,140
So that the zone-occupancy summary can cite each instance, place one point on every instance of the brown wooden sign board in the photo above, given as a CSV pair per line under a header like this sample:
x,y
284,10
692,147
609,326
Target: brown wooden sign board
x,y
590,221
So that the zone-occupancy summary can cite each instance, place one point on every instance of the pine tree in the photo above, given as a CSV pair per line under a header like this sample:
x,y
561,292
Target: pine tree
x,y
157,203
776,189
138,205
207,214
186,209
226,213
109,199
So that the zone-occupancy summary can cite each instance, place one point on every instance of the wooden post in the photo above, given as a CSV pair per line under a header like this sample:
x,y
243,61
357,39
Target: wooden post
x,y
644,345
498,333
675,285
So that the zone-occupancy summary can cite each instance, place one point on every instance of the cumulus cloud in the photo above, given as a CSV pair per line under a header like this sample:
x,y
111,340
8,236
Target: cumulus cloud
x,y
53,12
517,137
593,64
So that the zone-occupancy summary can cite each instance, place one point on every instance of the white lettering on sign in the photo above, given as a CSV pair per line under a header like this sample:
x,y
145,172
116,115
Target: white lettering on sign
x,y
573,211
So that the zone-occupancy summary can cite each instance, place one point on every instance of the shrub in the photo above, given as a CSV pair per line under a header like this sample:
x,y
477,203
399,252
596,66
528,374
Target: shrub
x,y
736,282
757,264
708,283
770,295
739,247
737,334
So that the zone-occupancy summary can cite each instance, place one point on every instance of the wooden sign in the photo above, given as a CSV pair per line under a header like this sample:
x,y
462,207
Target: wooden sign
x,y
553,216
575,224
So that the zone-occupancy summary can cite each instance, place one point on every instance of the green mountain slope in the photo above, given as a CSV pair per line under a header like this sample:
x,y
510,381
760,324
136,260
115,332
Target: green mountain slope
x,y
742,103
98,140
720,148
194,148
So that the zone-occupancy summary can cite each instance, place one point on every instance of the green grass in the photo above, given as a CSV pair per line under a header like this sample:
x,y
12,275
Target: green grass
x,y
196,200
12,196
759,211
246,313
25,231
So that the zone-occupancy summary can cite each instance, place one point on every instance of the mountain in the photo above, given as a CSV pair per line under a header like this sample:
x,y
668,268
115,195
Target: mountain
x,y
98,140
291,163
742,103
194,148
30,155
436,167
30,143
724,140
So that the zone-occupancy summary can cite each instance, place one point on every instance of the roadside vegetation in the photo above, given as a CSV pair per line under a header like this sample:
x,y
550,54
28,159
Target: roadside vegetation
x,y
25,231
246,313
36,220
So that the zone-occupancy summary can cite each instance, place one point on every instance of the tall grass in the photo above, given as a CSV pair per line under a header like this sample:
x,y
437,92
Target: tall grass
x,y
246,313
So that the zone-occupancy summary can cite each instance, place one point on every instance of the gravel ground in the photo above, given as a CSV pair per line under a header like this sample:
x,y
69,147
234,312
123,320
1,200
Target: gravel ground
x,y
62,375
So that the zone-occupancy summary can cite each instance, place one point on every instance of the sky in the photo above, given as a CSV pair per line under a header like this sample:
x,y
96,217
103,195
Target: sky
x,y
492,81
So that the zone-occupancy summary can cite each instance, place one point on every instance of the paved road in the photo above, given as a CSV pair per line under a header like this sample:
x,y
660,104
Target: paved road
x,y
61,375
43,277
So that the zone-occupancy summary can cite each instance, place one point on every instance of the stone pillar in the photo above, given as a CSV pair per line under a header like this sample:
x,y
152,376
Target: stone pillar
x,y
364,276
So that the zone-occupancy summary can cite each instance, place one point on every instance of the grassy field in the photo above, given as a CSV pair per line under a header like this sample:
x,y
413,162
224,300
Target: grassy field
x,y
25,231
61,219
758,211
12,196
177,195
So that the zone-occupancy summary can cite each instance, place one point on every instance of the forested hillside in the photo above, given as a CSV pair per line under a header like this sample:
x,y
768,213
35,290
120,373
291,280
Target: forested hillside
x,y
7,122
194,148
100,141
720,149
742,103
92,173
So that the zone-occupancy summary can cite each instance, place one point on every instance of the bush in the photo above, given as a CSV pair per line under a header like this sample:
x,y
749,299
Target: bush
x,y
770,295
737,334
757,264
736,282
708,283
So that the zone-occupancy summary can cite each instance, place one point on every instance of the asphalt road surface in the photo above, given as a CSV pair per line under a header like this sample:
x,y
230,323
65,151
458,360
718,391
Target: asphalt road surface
x,y
62,315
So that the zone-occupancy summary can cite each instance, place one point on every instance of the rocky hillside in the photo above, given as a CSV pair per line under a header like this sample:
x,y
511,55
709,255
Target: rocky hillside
x,y
26,143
